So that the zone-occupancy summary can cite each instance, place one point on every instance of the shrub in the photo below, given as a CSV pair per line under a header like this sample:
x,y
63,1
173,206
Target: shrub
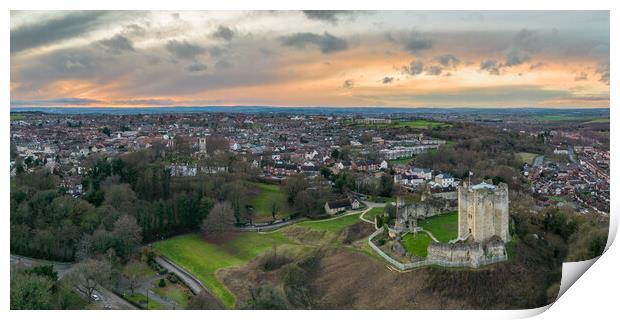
x,y
162,283
272,260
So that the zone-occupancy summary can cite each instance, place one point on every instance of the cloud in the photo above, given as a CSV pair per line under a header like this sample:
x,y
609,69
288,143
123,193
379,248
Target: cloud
x,y
491,66
326,42
448,61
117,44
331,16
434,70
581,77
387,80
184,50
515,58
415,68
54,30
348,84
59,101
224,32
537,65
223,64
416,43
159,102
196,67
603,70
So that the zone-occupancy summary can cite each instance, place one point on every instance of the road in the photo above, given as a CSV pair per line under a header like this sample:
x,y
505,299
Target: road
x,y
109,300
538,161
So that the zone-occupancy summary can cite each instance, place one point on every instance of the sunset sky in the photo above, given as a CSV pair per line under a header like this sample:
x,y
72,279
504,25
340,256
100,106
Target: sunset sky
x,y
316,58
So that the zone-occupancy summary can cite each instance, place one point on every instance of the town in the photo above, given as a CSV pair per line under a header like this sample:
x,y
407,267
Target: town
x,y
280,146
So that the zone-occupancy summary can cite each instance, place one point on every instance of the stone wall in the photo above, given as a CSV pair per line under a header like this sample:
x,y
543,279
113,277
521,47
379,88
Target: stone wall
x,y
461,254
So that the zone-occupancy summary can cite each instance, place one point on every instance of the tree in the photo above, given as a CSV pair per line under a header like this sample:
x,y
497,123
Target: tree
x,y
202,301
220,220
30,291
106,131
135,272
275,206
129,233
266,297
293,186
89,275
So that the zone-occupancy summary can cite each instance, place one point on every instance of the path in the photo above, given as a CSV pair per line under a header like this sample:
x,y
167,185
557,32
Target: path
x,y
192,282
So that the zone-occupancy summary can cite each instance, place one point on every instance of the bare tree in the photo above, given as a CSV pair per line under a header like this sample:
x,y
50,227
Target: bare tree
x,y
129,232
220,220
89,275
135,272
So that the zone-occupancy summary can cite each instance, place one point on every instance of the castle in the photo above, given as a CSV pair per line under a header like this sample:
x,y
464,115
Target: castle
x,y
482,228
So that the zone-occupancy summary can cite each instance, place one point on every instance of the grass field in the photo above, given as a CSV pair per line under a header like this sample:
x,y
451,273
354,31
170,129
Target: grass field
x,y
416,243
444,227
203,259
370,215
264,200
415,124
381,199
141,300
404,161
173,291
526,156
16,117
599,120
333,225
557,198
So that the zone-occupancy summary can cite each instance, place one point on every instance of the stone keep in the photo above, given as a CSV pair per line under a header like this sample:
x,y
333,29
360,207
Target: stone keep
x,y
483,212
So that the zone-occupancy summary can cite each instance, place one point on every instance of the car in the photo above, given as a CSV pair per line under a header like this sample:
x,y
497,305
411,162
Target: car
x,y
95,297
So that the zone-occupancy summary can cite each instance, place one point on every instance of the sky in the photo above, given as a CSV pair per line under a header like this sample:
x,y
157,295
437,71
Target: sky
x,y
310,58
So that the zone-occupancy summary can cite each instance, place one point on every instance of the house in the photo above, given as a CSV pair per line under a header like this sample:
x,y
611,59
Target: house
x,y
444,180
423,173
333,207
72,185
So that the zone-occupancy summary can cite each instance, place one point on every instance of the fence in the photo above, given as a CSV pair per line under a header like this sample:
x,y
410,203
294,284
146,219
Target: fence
x,y
424,263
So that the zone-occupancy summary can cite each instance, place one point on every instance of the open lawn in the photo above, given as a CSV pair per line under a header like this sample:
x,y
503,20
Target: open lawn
x,y
370,215
444,227
332,225
140,299
526,157
172,291
416,243
16,117
263,202
404,161
203,259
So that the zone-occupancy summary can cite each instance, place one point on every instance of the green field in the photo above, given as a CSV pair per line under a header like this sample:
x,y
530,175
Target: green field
x,y
370,215
444,227
404,161
526,157
203,259
263,202
418,124
140,299
15,117
173,291
599,120
333,225
416,243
